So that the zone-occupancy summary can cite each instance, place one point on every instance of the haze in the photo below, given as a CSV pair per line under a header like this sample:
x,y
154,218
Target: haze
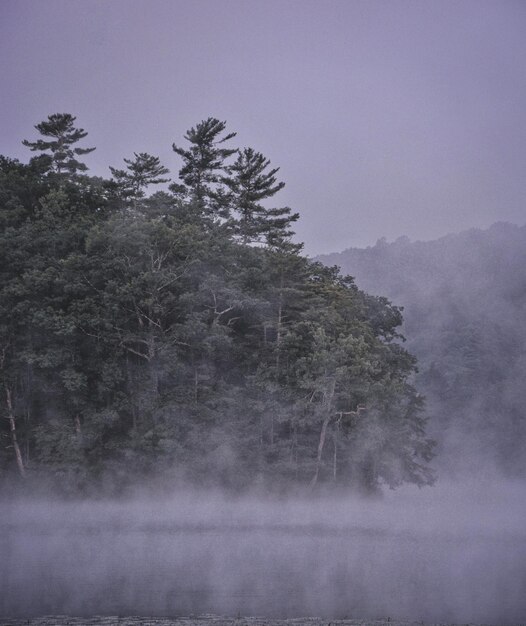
x,y
386,118
443,554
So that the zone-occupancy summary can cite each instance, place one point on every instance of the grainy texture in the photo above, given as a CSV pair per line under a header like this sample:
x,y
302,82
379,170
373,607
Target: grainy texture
x,y
204,620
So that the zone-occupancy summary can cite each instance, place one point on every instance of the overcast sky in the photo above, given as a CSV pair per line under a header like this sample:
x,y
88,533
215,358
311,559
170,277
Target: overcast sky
x,y
386,118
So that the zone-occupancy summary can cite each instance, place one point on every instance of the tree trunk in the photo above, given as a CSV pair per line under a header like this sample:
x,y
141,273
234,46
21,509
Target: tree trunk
x,y
278,335
328,414
131,386
320,450
12,428
152,362
279,325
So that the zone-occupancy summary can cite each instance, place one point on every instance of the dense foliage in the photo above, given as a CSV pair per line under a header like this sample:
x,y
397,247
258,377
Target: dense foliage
x,y
464,299
181,335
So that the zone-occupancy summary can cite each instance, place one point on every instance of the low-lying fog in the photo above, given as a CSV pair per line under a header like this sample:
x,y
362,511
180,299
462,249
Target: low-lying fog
x,y
438,554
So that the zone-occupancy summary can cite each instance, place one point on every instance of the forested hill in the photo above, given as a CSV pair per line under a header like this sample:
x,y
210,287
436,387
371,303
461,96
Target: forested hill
x,y
180,335
464,300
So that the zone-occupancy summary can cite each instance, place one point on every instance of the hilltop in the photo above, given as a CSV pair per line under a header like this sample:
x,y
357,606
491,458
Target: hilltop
x,y
464,305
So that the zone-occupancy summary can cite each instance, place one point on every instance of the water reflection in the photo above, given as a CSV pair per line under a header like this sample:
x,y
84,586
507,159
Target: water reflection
x,y
261,558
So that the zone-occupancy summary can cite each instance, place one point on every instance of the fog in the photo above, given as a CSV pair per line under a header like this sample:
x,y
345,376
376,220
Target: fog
x,y
463,299
135,341
446,553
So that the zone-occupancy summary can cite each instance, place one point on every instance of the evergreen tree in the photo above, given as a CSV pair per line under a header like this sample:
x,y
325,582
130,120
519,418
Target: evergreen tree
x,y
142,171
204,164
60,127
250,182
147,339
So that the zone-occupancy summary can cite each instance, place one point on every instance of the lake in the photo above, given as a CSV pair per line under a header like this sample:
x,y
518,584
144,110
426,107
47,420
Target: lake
x,y
440,554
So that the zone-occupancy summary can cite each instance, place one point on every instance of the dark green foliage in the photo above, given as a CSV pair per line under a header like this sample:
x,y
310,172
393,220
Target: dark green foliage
x,y
140,172
157,343
464,298
249,183
204,166
60,127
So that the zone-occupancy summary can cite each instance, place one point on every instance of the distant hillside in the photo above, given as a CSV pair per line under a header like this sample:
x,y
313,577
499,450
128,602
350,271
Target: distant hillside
x,y
464,299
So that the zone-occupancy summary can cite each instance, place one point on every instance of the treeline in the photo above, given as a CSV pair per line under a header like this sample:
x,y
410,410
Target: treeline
x,y
181,335
464,300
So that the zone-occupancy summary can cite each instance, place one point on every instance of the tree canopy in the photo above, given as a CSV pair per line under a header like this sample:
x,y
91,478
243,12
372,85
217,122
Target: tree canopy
x,y
182,336
464,302
60,128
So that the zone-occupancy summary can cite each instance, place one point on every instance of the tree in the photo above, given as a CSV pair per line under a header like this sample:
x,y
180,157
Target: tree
x,y
142,171
160,339
352,390
250,182
60,127
204,164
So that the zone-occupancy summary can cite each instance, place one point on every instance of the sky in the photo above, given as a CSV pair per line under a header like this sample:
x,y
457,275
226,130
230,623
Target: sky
x,y
386,118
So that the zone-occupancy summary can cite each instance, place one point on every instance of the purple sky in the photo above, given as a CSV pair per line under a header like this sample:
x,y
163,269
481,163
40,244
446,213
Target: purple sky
x,y
386,118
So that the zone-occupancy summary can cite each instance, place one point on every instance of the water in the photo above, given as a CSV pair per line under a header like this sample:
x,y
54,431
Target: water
x,y
436,555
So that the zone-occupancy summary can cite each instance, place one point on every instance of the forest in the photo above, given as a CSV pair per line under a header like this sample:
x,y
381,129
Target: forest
x,y
171,330
464,299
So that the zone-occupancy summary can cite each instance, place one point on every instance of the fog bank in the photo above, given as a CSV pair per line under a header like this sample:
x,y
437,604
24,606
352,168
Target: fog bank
x,y
446,553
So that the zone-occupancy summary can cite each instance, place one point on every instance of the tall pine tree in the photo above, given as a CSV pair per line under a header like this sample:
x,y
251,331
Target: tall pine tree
x,y
63,135
140,172
204,165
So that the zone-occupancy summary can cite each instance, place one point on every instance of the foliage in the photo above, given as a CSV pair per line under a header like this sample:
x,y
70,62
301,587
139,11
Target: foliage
x,y
60,127
464,301
182,335
142,171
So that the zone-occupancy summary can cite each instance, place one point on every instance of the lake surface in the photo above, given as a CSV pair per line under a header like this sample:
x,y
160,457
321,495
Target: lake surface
x,y
434,555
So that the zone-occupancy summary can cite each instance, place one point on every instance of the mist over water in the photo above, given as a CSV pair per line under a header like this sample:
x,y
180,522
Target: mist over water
x,y
449,553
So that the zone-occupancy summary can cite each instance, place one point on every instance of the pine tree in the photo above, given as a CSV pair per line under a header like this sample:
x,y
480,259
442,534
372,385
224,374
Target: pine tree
x,y
142,171
204,164
60,127
278,230
250,182
150,339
